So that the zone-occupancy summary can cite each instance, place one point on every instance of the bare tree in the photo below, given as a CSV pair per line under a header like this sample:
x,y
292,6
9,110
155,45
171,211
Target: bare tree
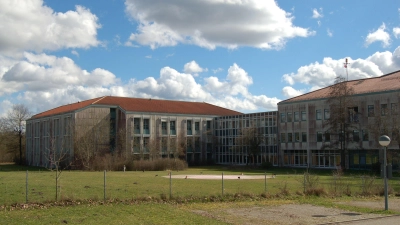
x,y
154,147
342,115
15,120
251,138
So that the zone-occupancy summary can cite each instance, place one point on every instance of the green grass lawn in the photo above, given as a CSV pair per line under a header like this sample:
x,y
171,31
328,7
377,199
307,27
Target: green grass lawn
x,y
136,197
82,185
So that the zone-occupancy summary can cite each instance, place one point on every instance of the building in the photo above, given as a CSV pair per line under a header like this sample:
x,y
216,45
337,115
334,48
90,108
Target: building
x,y
236,134
305,134
144,128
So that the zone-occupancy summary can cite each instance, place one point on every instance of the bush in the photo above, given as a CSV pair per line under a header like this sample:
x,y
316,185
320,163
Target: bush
x,y
266,165
159,164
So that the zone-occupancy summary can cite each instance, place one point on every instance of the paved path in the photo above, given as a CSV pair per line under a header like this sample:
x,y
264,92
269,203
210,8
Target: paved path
x,y
374,221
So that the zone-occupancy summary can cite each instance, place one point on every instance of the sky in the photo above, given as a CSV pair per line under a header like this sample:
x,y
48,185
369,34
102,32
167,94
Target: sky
x,y
245,55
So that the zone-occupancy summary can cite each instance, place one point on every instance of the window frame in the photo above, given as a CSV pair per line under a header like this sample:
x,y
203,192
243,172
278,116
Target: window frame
x,y
318,114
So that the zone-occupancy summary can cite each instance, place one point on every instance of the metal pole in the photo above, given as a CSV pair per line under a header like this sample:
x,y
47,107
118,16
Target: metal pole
x,y
222,183
26,188
265,181
385,178
170,185
104,186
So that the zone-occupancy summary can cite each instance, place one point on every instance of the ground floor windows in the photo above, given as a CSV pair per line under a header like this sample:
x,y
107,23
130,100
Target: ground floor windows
x,y
295,158
325,158
240,156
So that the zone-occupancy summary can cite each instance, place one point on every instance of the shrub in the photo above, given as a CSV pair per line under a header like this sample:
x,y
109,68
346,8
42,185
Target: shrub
x,y
159,164
266,165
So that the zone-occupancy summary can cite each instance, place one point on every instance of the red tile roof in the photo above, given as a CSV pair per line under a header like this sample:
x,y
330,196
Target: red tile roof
x,y
388,82
145,106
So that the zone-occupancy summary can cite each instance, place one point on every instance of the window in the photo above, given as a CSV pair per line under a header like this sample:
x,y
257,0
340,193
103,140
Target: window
x,y
283,118
327,136
384,109
365,135
289,137
356,135
283,138
146,126
353,114
289,117
146,141
197,128
319,136
371,110
172,130
297,137
164,128
189,127
303,116
136,125
303,137
318,115
296,116
208,125
394,109
327,114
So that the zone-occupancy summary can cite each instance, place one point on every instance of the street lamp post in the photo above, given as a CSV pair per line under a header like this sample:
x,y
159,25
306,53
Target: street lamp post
x,y
384,140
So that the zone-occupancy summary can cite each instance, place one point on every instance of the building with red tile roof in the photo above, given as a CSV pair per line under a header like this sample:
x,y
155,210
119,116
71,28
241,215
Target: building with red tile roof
x,y
122,125
305,134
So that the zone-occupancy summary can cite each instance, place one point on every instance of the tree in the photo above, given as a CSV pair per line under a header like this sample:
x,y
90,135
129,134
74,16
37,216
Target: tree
x,y
250,137
15,121
342,115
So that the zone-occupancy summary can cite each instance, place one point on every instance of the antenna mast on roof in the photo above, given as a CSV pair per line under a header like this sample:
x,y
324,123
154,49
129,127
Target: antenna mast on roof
x,y
345,66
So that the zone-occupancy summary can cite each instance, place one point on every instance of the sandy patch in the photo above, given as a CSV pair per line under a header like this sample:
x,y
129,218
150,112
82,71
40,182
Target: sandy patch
x,y
219,177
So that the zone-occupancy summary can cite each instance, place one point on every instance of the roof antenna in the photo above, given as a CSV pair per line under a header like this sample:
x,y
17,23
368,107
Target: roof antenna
x,y
345,66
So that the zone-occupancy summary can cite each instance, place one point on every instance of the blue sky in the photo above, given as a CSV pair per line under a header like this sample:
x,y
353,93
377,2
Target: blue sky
x,y
245,55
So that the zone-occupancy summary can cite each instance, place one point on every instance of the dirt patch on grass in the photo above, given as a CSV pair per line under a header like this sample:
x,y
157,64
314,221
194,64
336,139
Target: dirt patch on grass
x,y
285,214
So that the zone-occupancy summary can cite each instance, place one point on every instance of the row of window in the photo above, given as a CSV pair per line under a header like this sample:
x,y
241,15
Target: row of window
x,y
164,127
384,109
294,137
293,117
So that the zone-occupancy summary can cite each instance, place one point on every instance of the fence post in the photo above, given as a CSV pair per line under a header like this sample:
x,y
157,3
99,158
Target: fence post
x,y
304,183
26,188
104,185
222,183
265,181
170,185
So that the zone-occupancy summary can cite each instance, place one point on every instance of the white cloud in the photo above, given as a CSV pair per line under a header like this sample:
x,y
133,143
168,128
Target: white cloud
x,y
217,70
148,56
329,32
396,32
193,68
260,24
32,26
379,35
43,82
290,92
318,75
73,52
317,14
45,72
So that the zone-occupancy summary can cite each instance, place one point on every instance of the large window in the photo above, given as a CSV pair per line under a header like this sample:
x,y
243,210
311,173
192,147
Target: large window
x,y
318,115
356,135
297,137
371,110
319,136
189,127
164,128
296,116
196,128
283,118
289,117
136,125
303,137
146,126
303,116
327,114
290,137
172,129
